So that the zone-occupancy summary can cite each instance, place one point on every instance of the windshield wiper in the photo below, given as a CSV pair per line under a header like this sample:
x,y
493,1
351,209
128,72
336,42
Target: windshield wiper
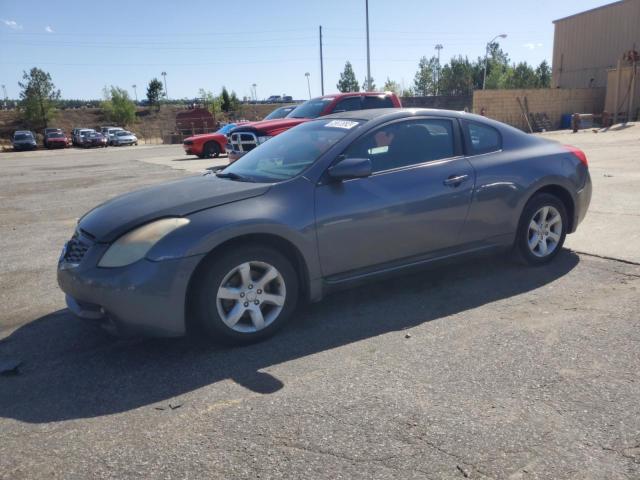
x,y
233,176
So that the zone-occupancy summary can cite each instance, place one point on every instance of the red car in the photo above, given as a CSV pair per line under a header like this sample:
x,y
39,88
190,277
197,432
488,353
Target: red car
x,y
208,145
56,140
245,138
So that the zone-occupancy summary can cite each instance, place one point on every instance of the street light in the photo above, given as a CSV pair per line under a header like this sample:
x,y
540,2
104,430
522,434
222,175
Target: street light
x,y
166,94
438,47
486,55
308,83
135,92
255,93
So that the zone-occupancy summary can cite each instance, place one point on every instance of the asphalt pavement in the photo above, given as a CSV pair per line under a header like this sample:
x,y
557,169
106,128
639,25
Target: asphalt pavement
x,y
475,369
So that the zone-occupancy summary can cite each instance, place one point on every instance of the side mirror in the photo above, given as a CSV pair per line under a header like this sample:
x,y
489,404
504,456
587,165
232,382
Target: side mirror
x,y
351,168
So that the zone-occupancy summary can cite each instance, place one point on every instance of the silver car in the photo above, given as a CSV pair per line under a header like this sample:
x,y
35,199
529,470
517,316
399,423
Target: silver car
x,y
124,137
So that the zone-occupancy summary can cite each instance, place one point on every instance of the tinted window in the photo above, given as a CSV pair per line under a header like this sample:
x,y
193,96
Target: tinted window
x,y
311,108
288,154
348,104
405,143
22,136
377,102
483,138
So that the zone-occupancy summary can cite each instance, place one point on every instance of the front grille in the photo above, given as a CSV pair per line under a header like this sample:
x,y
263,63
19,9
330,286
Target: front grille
x,y
243,141
76,249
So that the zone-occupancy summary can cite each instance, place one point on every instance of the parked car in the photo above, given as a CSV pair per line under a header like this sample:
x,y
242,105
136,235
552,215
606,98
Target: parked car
x,y
208,145
280,112
124,137
79,133
247,137
24,140
47,131
56,140
110,133
274,99
92,139
324,205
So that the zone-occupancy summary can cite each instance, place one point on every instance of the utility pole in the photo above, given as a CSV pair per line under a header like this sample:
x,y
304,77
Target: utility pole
x,y
321,66
4,90
308,83
366,4
166,94
255,92
135,92
438,48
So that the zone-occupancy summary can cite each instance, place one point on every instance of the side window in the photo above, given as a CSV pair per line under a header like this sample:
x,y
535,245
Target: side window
x,y
483,138
348,104
377,102
405,143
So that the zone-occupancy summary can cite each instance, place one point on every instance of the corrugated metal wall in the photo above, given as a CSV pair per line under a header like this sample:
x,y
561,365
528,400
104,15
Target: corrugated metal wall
x,y
587,44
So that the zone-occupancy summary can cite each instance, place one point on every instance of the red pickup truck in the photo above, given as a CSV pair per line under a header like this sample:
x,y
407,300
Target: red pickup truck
x,y
245,138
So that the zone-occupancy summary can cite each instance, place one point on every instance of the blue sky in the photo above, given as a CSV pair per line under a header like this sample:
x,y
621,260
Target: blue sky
x,y
208,44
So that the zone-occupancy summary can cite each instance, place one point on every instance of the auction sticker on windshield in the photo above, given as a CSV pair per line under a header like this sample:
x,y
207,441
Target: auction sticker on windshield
x,y
341,124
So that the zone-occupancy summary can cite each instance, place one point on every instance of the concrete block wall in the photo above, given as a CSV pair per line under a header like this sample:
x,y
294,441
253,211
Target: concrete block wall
x,y
458,102
502,105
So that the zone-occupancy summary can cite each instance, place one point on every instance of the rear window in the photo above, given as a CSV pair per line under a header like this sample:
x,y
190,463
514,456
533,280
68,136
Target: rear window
x,y
311,108
483,138
377,102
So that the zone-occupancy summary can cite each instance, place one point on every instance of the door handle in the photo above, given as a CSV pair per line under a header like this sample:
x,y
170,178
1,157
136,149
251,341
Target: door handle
x,y
455,180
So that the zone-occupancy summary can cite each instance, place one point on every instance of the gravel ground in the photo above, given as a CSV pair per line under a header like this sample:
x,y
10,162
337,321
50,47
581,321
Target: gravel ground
x,y
480,369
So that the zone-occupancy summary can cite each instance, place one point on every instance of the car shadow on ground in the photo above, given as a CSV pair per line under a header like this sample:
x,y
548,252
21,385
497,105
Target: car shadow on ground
x,y
72,369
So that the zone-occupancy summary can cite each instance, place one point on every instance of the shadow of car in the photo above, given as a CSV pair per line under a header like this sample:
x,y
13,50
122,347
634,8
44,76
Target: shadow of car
x,y
73,369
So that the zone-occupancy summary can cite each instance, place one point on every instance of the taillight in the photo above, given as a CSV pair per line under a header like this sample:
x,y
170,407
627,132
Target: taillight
x,y
578,153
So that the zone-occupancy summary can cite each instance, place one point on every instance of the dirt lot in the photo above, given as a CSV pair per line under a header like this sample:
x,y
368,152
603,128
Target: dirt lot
x,y
480,369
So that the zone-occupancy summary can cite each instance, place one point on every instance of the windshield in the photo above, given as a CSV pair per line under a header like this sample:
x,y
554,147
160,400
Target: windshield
x,y
311,108
123,134
55,135
279,113
288,154
22,136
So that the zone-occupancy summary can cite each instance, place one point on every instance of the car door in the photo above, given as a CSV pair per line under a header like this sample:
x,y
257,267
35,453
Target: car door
x,y
415,202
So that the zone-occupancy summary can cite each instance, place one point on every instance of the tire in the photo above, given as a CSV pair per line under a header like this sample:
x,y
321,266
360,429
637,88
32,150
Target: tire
x,y
540,244
240,301
211,150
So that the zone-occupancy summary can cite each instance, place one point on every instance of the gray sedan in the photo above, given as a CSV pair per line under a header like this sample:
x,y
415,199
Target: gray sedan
x,y
123,137
327,204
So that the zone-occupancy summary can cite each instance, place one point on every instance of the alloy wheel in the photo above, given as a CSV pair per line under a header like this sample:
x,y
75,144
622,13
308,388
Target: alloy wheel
x,y
251,296
545,231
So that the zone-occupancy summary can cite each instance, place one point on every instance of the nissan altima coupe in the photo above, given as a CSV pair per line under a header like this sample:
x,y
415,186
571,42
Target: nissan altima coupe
x,y
331,202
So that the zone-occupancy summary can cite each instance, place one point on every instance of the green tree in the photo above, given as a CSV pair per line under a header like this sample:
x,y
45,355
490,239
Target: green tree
x,y
211,102
348,81
154,92
424,83
225,100
234,102
521,75
457,77
365,86
543,75
391,86
38,97
117,106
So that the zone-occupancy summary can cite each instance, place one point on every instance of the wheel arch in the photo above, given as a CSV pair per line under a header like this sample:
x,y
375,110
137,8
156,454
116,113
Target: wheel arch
x,y
278,243
564,196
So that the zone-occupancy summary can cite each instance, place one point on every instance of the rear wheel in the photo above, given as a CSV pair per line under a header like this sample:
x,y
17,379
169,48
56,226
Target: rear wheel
x,y
542,229
211,150
245,295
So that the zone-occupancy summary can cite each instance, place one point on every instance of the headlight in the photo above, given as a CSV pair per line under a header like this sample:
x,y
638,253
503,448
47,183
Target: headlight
x,y
134,245
263,139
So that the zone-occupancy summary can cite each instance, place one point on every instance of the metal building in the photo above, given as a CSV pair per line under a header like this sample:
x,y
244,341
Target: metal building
x,y
587,44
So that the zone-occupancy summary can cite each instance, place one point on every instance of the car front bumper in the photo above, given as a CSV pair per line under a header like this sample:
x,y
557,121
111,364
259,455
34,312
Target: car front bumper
x,y
145,297
233,155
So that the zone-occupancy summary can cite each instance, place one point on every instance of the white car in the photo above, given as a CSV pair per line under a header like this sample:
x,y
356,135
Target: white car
x,y
124,138
110,133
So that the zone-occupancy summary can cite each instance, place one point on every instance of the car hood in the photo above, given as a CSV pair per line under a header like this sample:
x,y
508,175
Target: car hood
x,y
205,136
271,127
174,199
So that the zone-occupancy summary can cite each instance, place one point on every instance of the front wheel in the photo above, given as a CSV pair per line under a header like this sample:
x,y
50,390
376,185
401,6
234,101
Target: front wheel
x,y
211,150
245,295
542,229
